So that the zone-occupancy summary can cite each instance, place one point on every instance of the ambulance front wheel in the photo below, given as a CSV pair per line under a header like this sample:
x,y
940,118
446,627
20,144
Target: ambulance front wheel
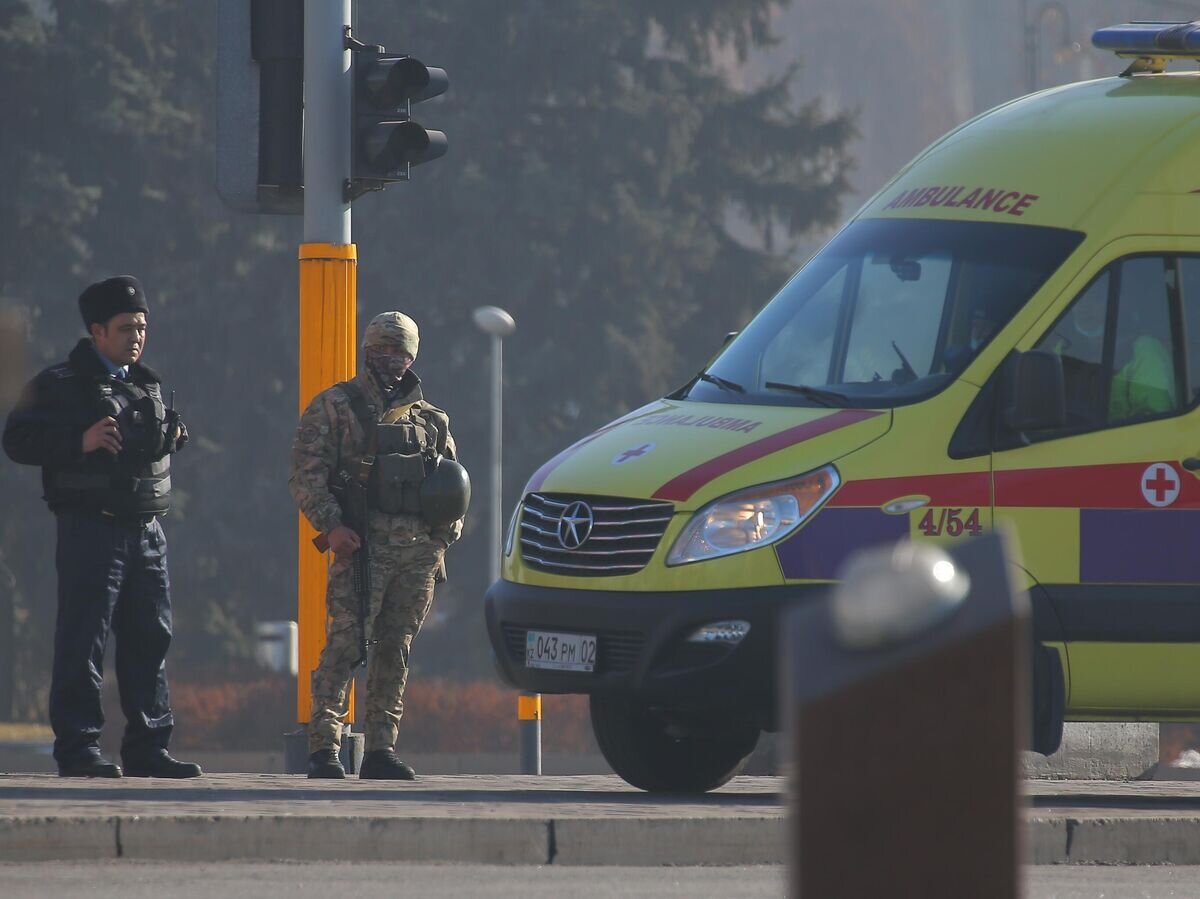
x,y
1049,700
655,751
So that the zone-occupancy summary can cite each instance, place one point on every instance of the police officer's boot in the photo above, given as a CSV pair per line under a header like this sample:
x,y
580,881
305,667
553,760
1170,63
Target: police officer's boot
x,y
88,764
159,764
324,763
382,764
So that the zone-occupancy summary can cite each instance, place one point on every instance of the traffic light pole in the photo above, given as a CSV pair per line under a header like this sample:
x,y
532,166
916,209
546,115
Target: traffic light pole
x,y
328,261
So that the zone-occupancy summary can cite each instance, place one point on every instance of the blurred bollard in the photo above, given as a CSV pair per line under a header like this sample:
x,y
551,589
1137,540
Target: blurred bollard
x,y
529,721
12,376
907,705
12,357
276,646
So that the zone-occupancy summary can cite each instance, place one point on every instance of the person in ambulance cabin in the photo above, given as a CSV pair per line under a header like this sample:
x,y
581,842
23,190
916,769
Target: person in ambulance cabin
x,y
983,326
1143,386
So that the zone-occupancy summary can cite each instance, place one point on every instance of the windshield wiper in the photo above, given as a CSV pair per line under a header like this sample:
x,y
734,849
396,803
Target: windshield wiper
x,y
829,398
731,386
907,374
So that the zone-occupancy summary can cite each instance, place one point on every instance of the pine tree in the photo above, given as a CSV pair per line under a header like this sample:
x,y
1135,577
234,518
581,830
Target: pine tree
x,y
601,158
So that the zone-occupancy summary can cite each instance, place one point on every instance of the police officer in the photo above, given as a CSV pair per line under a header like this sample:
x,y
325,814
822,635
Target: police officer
x,y
376,435
97,426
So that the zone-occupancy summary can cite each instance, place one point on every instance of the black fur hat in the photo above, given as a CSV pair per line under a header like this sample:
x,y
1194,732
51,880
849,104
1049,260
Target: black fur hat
x,y
112,296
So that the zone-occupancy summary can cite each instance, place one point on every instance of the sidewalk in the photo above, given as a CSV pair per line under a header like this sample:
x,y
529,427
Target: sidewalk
x,y
509,819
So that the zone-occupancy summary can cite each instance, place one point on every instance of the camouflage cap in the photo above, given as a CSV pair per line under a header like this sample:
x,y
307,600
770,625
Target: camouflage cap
x,y
393,329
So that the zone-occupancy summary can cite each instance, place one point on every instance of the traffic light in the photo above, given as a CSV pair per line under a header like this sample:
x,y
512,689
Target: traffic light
x,y
385,142
260,105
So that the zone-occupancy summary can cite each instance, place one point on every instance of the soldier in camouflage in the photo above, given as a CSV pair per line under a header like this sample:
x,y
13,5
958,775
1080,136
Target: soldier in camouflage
x,y
405,550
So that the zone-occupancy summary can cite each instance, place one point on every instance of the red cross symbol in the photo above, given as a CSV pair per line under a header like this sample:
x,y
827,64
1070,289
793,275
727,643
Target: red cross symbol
x,y
633,453
1160,485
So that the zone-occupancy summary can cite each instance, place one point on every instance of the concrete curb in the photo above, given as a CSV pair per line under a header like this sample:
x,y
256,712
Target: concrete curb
x,y
671,841
492,841
1115,841
525,820
1158,840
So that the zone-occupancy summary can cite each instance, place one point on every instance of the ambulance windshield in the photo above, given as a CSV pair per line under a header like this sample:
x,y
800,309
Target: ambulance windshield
x,y
889,313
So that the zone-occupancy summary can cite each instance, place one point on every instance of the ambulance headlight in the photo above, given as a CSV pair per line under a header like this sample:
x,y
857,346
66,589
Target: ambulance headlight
x,y
753,518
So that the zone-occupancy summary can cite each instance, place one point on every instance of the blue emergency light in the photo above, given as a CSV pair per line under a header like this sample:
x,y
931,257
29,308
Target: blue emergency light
x,y
1150,39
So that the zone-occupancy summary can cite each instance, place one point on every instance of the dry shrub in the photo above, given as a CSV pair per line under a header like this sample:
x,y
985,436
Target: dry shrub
x,y
439,716
243,714
481,716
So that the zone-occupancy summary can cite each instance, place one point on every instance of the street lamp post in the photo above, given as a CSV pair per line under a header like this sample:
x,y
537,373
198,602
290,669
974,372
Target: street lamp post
x,y
499,324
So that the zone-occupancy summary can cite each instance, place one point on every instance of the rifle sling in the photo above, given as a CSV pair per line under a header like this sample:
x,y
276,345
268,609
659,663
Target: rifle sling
x,y
368,423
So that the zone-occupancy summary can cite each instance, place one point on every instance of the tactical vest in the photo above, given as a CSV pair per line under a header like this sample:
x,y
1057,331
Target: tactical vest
x,y
138,480
400,454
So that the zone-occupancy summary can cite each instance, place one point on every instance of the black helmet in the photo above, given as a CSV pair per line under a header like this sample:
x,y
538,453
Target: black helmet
x,y
445,493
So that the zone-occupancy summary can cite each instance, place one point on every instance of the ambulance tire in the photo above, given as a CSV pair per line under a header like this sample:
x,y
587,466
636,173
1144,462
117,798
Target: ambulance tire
x,y
1049,699
650,754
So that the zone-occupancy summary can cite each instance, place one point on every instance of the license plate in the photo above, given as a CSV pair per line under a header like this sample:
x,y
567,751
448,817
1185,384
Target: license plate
x,y
562,652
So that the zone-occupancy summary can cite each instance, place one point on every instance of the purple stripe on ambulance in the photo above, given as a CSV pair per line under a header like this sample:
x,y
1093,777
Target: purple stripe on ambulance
x,y
817,550
1138,546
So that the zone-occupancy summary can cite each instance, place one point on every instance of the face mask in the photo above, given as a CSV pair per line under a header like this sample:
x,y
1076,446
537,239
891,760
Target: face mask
x,y
389,369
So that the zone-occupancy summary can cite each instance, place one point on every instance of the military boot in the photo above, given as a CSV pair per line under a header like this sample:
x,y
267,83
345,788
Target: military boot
x,y
382,764
324,763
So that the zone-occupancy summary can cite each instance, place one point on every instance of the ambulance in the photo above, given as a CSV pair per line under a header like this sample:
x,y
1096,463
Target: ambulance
x,y
1008,333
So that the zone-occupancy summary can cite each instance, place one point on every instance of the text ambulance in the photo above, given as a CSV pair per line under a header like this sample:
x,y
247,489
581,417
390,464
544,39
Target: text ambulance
x,y
1008,332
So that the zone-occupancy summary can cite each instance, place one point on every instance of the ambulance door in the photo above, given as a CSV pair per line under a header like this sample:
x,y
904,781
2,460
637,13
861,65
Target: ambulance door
x,y
1107,509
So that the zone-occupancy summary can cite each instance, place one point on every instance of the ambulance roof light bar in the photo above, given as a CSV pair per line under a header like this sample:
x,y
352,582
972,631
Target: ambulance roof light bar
x,y
1151,44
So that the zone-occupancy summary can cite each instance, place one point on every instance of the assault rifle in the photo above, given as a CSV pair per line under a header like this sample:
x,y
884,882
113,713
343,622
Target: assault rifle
x,y
351,494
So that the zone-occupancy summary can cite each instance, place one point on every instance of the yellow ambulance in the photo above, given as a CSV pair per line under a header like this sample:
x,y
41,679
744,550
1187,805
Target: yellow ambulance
x,y
1009,331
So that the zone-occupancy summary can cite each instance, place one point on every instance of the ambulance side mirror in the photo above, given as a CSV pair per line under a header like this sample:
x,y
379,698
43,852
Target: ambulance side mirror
x,y
1033,394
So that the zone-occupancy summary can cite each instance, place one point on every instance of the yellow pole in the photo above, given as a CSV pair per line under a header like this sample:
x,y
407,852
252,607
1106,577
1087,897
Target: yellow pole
x,y
328,343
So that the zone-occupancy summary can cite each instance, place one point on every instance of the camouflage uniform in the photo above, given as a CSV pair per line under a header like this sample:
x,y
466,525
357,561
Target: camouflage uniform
x,y
405,553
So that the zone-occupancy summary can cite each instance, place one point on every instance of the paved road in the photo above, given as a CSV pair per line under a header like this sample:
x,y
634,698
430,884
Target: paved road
x,y
240,880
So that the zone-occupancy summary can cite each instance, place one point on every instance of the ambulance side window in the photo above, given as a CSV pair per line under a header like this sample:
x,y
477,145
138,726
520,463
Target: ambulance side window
x,y
1118,348
1189,290
1144,382
1078,339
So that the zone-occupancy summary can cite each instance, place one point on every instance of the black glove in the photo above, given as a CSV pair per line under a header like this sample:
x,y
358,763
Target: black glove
x,y
170,423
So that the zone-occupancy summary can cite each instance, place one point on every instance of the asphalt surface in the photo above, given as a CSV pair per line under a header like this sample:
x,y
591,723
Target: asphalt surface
x,y
518,820
243,880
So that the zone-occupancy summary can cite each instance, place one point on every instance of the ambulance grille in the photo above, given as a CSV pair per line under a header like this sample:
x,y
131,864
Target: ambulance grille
x,y
616,651
622,536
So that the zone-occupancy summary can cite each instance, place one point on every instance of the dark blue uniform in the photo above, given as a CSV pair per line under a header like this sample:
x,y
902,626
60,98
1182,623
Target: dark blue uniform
x,y
112,555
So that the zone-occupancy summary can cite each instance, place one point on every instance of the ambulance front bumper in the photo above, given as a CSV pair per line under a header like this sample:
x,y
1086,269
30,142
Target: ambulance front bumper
x,y
642,645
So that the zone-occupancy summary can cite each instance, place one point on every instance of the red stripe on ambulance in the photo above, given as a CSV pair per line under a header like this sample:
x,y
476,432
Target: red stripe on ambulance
x,y
685,485
963,489
1127,485
1117,486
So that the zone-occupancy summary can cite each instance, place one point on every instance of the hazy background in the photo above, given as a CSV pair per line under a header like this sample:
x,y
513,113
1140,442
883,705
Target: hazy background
x,y
631,179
